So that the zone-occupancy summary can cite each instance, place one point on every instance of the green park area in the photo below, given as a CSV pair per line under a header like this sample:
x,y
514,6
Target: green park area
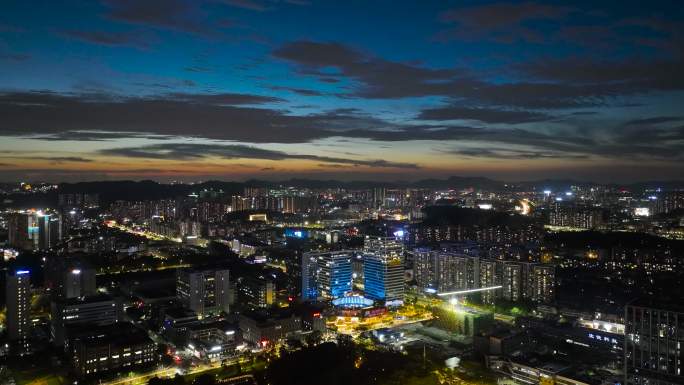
x,y
41,377
333,364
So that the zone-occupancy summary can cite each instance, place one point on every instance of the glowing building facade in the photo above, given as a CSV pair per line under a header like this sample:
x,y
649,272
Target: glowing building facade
x,y
383,270
18,292
326,275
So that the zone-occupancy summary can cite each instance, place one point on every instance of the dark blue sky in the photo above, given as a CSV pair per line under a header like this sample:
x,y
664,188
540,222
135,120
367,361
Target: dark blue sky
x,y
234,89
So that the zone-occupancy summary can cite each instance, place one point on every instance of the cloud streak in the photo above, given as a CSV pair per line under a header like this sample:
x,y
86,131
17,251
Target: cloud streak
x,y
540,85
378,78
108,38
196,151
488,115
234,117
179,15
502,22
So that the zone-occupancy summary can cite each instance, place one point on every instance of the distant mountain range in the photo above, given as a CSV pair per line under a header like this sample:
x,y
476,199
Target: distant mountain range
x,y
460,182
129,190
110,191
451,182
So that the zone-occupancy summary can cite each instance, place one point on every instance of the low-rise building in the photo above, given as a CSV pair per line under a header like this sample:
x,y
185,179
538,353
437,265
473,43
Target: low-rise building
x,y
263,328
212,341
67,314
112,348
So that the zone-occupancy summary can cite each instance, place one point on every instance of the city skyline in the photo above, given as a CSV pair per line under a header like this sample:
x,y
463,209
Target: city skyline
x,y
326,192
242,89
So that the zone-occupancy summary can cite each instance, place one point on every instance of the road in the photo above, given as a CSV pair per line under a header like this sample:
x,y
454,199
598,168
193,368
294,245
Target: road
x,y
147,269
246,379
509,319
143,378
147,234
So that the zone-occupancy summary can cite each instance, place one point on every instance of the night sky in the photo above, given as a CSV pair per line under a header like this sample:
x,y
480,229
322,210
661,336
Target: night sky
x,y
363,90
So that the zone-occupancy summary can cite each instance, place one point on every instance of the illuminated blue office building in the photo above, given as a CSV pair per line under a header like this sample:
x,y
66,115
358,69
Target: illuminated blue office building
x,y
335,275
326,275
383,278
383,270
309,277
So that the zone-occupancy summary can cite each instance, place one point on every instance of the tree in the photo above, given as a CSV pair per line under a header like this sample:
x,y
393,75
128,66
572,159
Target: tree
x,y
314,338
177,380
205,379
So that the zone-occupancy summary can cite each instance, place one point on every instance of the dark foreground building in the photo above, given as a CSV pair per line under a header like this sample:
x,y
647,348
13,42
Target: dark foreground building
x,y
113,348
654,343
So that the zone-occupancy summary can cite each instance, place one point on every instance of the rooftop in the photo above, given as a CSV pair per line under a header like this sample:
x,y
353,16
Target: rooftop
x,y
659,303
179,312
122,333
99,297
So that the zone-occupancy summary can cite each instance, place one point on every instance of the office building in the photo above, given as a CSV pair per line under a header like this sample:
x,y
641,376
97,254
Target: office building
x,y
71,313
383,278
211,342
69,278
262,328
112,348
326,275
256,292
176,323
334,274
50,231
79,282
19,232
18,300
309,277
206,292
654,343
389,247
383,270
34,230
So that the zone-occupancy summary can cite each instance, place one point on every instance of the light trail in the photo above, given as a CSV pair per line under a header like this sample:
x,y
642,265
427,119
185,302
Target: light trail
x,y
526,207
469,291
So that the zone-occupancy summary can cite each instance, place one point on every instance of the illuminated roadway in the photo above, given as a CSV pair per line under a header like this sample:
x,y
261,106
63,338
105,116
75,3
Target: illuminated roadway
x,y
468,291
143,378
164,372
169,372
146,234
